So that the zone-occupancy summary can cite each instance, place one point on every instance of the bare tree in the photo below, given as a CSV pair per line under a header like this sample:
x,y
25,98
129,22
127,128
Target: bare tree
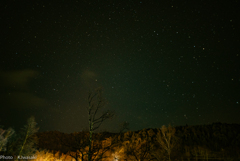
x,y
23,144
88,145
28,138
4,136
95,103
167,140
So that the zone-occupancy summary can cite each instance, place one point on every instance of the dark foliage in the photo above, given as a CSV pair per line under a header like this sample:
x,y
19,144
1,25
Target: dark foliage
x,y
218,140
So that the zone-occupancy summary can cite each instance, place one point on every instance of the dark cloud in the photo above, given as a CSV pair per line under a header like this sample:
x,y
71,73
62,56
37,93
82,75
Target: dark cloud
x,y
23,100
19,79
16,92
89,79
88,75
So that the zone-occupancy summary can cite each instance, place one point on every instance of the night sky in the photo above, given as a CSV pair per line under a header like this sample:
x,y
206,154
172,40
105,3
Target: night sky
x,y
158,62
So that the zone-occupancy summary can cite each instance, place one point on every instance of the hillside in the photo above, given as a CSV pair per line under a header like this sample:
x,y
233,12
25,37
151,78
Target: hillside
x,y
216,141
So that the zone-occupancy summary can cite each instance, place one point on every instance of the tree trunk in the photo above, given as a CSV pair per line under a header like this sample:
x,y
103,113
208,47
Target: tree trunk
x,y
90,142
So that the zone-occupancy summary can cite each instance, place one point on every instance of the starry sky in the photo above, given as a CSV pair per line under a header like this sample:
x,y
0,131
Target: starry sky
x,y
158,62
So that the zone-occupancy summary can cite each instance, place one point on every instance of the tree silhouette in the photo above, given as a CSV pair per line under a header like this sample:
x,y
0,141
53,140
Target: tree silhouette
x,y
139,147
88,145
167,139
27,138
22,144
4,137
95,103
